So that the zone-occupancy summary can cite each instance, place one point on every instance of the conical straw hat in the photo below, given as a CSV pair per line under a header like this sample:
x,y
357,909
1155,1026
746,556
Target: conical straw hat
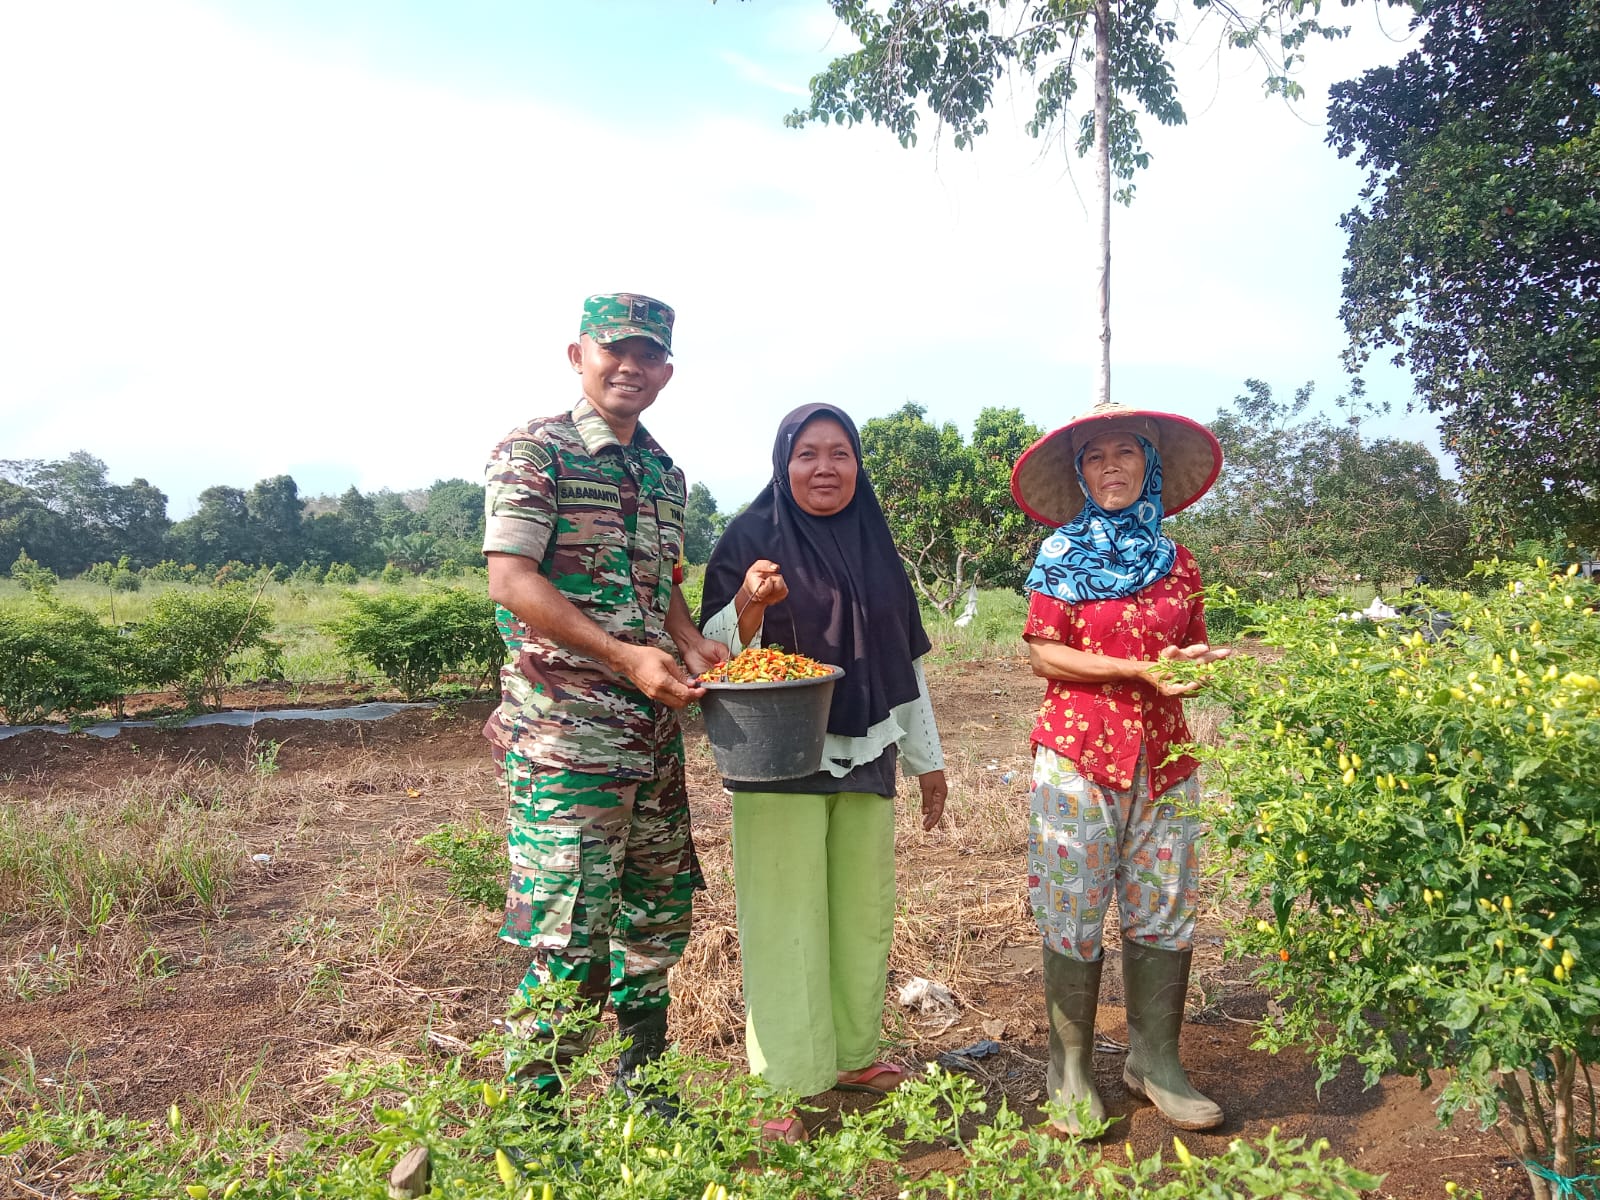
x,y
1044,482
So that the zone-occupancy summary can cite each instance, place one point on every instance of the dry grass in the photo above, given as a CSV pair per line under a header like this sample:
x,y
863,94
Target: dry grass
x,y
370,958
83,874
950,920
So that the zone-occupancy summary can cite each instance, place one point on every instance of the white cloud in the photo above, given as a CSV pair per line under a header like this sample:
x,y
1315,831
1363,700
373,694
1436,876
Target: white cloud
x,y
753,72
227,256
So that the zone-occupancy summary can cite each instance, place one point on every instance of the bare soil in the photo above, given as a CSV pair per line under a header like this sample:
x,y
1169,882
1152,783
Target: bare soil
x,y
306,970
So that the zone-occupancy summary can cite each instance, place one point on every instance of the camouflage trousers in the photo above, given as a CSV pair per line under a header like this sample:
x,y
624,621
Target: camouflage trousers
x,y
1088,842
602,875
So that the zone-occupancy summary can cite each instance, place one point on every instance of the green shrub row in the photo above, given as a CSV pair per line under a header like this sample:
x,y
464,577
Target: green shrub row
x,y
59,659
1411,822
416,639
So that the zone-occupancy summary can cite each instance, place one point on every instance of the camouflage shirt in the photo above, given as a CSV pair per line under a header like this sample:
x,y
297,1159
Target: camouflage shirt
x,y
604,522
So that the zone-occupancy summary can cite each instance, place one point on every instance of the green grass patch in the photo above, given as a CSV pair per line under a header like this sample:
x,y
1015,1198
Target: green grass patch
x,y
134,852
474,859
995,631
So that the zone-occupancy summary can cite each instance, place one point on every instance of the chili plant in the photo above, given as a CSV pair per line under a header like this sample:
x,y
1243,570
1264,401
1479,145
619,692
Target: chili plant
x,y
1414,810
487,1139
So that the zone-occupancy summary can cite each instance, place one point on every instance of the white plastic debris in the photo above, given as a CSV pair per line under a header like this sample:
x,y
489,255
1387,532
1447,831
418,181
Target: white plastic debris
x,y
926,996
263,859
971,610
1376,611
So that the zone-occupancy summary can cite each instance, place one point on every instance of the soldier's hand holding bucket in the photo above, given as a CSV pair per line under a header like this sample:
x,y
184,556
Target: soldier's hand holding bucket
x,y
658,675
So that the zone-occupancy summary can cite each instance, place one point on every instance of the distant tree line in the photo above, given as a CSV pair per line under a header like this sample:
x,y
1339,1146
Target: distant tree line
x,y
68,516
1305,503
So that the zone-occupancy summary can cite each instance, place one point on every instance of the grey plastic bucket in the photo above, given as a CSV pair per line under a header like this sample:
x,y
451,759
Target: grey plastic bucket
x,y
765,731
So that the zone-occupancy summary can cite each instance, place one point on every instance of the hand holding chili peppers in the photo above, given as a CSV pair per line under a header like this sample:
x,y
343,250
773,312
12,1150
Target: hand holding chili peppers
x,y
763,584
658,675
1180,671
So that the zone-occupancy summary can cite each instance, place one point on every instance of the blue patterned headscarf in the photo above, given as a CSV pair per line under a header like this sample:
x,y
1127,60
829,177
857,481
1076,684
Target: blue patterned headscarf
x,y
1100,555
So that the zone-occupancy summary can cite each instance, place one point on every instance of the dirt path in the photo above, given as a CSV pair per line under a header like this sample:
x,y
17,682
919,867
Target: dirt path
x,y
345,946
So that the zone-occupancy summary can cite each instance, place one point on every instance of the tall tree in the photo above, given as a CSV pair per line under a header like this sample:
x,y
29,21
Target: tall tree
x,y
394,514
1305,504
220,530
136,524
1475,251
327,539
26,525
97,520
700,524
275,517
454,515
948,55
360,514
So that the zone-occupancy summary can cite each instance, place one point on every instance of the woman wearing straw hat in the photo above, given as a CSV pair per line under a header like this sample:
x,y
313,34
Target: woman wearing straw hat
x,y
811,565
1110,600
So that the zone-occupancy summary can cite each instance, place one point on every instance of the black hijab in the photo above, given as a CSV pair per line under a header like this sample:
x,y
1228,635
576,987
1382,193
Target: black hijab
x,y
849,601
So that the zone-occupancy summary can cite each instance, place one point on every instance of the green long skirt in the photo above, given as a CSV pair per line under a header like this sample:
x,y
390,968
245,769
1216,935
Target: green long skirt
x,y
814,877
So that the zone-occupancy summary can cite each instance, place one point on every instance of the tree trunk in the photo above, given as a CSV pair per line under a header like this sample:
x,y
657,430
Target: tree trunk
x,y
1521,1129
1102,179
1563,1159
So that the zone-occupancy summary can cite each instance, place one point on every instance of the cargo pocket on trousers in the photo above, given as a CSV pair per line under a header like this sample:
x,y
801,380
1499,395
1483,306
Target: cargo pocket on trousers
x,y
557,885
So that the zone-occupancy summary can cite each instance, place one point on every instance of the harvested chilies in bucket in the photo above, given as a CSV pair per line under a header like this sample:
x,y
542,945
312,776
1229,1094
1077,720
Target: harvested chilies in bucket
x,y
765,664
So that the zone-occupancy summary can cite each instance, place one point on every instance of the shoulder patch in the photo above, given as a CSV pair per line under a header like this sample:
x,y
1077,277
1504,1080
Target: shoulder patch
x,y
530,452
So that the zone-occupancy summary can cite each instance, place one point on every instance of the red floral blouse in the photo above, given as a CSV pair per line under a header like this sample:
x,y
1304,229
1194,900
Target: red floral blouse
x,y
1101,726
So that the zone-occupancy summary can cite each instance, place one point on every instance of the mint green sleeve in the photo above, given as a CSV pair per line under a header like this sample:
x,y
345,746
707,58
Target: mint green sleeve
x,y
723,627
920,749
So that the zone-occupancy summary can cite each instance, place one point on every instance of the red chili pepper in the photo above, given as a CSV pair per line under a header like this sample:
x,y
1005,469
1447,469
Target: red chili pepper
x,y
765,664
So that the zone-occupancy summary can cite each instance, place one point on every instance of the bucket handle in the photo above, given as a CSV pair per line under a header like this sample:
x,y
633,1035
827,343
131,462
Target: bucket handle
x,y
739,612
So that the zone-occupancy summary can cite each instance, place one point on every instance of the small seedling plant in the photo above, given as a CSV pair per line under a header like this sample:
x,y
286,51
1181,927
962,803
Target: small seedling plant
x,y
488,1139
1413,810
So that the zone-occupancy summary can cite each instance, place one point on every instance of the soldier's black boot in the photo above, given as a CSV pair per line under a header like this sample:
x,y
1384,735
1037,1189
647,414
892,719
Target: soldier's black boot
x,y
648,1031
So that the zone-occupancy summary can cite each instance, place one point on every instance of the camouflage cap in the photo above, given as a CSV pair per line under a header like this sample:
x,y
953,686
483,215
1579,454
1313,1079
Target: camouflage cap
x,y
610,318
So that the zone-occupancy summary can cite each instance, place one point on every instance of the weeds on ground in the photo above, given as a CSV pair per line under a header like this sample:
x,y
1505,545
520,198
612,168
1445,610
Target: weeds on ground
x,y
488,1139
474,859
82,877
995,630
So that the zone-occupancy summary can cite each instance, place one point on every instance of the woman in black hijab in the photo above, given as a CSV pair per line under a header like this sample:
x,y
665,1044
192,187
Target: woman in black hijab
x,y
811,566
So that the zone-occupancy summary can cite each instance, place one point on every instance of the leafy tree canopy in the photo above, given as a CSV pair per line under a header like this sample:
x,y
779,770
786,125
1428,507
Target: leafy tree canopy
x,y
1475,251
945,57
1305,504
69,514
948,502
701,524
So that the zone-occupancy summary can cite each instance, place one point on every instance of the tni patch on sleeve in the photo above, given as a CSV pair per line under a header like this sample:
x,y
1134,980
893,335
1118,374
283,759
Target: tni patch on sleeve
x,y
530,452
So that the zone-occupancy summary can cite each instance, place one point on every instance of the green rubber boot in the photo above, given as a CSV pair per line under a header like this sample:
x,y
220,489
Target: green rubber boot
x,y
1155,983
1071,994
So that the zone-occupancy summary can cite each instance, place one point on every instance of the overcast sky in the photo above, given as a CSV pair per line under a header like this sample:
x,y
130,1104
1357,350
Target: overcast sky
x,y
349,240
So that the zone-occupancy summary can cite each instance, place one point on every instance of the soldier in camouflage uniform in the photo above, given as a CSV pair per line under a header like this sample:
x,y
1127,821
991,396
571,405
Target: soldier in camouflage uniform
x,y
585,529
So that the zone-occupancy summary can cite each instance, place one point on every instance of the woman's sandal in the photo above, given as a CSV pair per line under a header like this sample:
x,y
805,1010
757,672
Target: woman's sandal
x,y
789,1129
879,1079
